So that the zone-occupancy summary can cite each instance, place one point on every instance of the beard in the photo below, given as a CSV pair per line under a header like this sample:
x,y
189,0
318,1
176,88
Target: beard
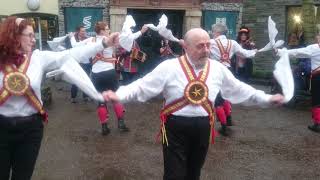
x,y
202,61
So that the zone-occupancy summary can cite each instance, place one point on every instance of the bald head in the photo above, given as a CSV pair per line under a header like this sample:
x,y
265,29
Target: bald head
x,y
197,46
196,33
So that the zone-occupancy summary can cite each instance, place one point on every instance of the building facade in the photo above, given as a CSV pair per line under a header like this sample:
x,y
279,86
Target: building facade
x,y
292,22
44,15
182,14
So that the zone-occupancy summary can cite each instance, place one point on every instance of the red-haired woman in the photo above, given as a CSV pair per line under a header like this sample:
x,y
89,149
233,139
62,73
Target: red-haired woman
x,y
21,111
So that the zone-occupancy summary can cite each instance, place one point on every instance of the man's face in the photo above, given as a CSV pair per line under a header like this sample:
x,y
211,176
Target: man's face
x,y
198,49
82,33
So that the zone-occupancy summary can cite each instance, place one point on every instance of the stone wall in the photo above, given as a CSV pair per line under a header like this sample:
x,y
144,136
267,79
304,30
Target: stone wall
x,y
255,16
81,3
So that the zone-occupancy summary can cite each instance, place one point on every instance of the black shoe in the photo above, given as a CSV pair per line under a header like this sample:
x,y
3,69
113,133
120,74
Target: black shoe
x,y
315,128
229,121
122,126
223,130
105,130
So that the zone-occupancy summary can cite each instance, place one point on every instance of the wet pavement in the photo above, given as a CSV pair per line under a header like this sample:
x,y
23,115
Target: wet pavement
x,y
265,144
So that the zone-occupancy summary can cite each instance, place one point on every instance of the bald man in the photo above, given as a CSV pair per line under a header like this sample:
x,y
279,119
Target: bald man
x,y
189,85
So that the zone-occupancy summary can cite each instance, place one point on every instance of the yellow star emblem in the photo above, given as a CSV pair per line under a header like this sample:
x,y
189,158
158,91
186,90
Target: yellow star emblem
x,y
16,82
196,92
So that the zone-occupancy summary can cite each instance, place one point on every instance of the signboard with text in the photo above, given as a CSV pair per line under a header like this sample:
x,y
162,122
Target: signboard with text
x,y
87,17
225,17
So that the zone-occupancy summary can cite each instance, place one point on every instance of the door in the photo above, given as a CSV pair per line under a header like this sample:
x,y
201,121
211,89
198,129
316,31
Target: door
x,y
226,17
150,42
86,17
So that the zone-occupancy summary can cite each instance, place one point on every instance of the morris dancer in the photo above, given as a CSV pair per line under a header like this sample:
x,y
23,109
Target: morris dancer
x,y
80,35
222,49
104,78
21,110
312,51
129,60
189,85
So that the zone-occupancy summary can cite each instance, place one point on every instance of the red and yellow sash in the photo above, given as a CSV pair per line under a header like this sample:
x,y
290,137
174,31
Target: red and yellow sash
x,y
99,56
17,83
195,92
224,53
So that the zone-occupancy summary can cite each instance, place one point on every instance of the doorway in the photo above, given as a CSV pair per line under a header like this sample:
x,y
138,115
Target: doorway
x,y
150,42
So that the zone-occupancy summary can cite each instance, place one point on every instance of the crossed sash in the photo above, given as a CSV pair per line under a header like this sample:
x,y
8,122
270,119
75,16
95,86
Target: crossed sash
x,y
195,93
224,52
17,83
99,56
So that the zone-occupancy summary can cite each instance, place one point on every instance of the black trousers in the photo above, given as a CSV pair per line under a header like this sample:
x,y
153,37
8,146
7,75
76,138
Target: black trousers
x,y
106,80
129,77
74,89
315,90
188,139
20,140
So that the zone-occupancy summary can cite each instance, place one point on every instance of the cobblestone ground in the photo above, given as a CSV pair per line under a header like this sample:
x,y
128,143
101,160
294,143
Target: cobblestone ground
x,y
265,144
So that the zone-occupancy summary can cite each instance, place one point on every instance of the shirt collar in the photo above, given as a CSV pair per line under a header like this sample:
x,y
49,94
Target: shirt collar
x,y
221,37
192,64
99,37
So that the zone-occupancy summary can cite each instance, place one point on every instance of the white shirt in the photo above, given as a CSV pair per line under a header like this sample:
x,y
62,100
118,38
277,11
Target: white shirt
x,y
169,79
312,51
101,66
127,38
74,43
235,48
40,63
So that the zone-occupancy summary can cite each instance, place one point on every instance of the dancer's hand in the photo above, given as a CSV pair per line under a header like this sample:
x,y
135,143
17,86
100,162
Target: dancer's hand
x,y
70,34
181,42
111,40
110,96
144,29
277,99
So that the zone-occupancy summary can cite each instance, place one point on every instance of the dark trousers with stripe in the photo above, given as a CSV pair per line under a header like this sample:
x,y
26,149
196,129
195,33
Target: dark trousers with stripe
x,y
188,139
74,89
20,140
315,90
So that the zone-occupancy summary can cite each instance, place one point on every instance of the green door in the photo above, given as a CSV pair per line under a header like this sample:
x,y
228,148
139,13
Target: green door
x,y
229,18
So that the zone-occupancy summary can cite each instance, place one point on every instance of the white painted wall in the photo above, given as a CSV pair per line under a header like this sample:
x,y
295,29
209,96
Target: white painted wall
x,y
9,7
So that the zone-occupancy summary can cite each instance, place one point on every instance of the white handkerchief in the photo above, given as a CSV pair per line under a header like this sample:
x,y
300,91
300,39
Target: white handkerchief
x,y
162,29
283,74
126,39
272,30
56,43
72,73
